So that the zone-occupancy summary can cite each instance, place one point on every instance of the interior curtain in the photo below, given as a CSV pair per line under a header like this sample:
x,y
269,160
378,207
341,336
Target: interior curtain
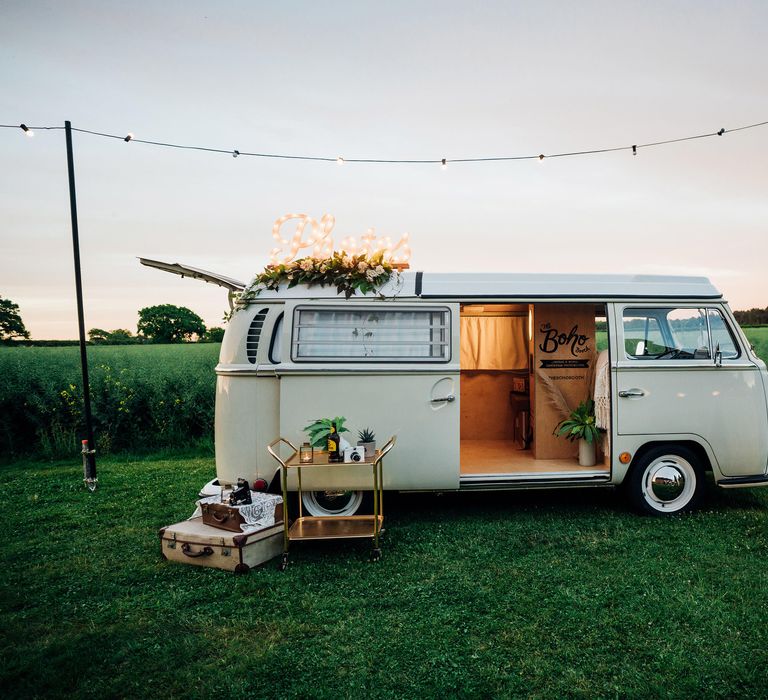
x,y
494,342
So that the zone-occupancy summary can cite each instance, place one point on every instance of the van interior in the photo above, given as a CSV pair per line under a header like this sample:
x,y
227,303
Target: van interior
x,y
523,367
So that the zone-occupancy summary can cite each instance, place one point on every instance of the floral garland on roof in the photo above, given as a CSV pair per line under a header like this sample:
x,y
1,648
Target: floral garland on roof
x,y
348,273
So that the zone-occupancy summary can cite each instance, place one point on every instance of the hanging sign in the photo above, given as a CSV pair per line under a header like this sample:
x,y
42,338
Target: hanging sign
x,y
316,235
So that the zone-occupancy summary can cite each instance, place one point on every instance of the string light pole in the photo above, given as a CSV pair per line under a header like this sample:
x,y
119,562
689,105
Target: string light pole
x,y
88,451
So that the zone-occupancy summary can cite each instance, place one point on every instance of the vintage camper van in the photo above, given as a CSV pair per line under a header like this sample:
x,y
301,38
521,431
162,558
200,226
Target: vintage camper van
x,y
474,372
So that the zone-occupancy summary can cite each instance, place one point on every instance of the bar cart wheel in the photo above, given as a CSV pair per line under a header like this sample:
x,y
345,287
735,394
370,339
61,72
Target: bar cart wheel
x,y
283,562
375,554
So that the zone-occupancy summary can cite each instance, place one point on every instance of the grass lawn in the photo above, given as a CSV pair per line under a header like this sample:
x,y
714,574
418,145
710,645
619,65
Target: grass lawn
x,y
534,594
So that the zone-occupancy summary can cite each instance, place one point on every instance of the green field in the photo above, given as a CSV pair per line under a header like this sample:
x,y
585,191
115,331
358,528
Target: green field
x,y
144,397
527,594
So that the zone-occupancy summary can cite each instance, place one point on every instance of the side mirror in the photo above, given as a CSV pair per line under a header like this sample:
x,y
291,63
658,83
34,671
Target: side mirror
x,y
640,348
718,356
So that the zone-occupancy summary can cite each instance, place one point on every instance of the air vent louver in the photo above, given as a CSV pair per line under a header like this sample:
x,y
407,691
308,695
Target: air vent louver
x,y
254,333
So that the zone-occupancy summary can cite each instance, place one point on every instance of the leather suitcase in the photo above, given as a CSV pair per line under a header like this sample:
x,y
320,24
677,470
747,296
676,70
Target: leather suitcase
x,y
193,542
226,517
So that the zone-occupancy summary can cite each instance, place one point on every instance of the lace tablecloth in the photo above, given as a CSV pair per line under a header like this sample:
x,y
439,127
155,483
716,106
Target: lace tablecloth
x,y
257,515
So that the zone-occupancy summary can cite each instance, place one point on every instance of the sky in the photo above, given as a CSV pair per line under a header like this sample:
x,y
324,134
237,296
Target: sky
x,y
401,80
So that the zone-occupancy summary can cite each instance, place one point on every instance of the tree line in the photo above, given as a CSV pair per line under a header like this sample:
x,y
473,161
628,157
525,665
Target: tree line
x,y
164,323
752,317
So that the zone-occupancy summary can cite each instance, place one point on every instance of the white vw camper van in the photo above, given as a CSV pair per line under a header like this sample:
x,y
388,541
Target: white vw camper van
x,y
473,373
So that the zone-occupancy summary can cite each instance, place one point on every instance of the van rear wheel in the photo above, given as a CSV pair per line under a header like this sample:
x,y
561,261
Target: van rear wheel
x,y
666,480
337,503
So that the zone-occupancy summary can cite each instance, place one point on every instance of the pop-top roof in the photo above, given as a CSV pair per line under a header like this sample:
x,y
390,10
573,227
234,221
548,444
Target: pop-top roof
x,y
490,285
541,286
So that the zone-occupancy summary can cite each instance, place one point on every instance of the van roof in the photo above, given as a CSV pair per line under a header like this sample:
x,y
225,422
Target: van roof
x,y
526,287
533,285
522,286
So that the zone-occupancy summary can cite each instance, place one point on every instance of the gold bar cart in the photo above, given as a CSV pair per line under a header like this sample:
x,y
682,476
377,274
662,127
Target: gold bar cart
x,y
308,527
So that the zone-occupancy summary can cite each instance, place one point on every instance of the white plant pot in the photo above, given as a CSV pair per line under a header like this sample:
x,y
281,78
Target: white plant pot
x,y
587,453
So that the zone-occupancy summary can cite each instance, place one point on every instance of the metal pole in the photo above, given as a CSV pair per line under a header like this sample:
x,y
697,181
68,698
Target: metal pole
x,y
89,453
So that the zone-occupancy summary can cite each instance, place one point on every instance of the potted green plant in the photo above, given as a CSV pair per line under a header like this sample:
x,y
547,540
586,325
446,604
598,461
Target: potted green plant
x,y
580,425
319,430
367,439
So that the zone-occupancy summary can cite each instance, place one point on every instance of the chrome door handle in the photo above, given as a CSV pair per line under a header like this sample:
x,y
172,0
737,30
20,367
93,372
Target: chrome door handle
x,y
448,399
631,393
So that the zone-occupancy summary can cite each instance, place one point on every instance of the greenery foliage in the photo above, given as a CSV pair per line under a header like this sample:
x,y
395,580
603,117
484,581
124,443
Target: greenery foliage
x,y
347,273
213,335
534,594
166,323
11,325
580,425
143,397
119,336
319,430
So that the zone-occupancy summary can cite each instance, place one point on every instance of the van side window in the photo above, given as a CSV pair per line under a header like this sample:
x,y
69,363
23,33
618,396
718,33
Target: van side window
x,y
721,335
666,334
371,335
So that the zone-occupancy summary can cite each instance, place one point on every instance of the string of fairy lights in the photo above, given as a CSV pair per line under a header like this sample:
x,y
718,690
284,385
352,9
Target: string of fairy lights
x,y
29,131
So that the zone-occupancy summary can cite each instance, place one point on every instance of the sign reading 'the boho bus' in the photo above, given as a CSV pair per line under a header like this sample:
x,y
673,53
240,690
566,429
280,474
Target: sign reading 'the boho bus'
x,y
563,357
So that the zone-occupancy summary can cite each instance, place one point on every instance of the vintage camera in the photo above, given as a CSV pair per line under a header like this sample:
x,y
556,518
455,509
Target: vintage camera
x,y
241,494
354,454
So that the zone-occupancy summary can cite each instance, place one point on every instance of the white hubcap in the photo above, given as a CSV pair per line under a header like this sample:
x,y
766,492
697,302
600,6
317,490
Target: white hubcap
x,y
669,483
332,503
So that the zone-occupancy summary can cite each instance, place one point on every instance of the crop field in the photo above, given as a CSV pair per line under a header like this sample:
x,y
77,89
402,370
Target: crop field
x,y
528,594
144,397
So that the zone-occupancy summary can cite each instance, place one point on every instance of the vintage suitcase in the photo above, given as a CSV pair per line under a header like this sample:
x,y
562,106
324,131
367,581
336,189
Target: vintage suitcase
x,y
193,542
226,517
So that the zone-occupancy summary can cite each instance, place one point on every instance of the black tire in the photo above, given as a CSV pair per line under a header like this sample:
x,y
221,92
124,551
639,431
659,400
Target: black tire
x,y
666,480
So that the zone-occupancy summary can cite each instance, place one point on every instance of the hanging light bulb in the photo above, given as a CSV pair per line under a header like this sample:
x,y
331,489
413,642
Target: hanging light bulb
x,y
634,150
541,157
26,130
235,153
444,165
128,137
339,161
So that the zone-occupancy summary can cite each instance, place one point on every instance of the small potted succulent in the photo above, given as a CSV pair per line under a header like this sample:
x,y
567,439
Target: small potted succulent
x,y
367,439
581,426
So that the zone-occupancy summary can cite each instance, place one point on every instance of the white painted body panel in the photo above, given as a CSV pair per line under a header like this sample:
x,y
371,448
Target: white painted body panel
x,y
427,451
724,407
247,420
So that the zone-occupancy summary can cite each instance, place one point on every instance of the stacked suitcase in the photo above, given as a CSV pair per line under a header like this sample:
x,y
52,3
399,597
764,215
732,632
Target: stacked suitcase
x,y
231,537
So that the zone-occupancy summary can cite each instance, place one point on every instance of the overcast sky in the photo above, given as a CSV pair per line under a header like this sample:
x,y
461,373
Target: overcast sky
x,y
391,80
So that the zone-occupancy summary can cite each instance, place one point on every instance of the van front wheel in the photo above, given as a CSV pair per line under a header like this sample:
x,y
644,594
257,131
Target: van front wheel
x,y
331,503
666,480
